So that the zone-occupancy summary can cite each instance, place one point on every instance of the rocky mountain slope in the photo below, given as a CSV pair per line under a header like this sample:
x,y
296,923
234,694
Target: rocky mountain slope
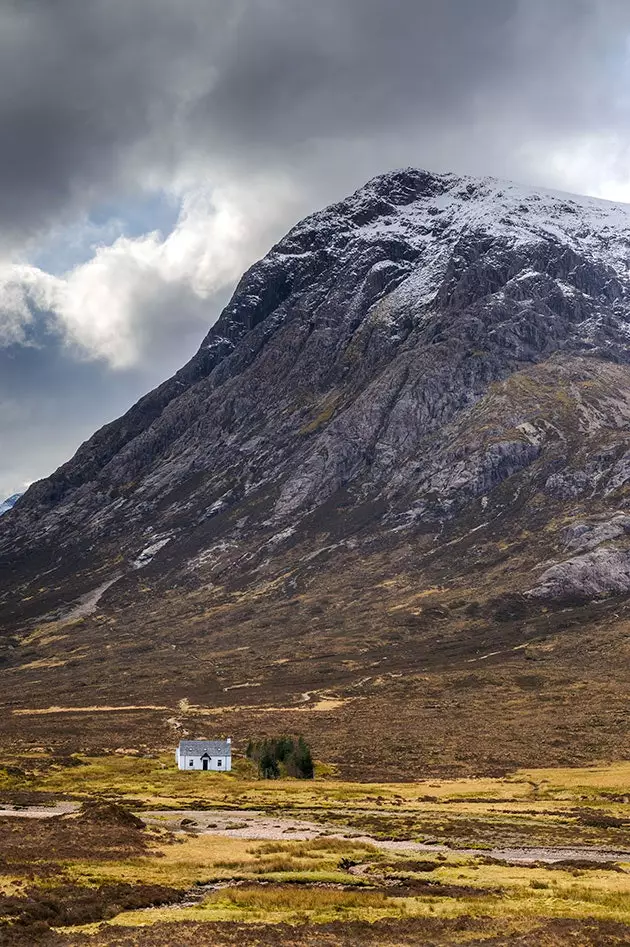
x,y
403,449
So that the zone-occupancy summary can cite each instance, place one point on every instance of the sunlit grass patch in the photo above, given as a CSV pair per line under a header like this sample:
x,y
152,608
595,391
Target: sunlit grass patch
x,y
294,903
87,929
157,783
590,780
317,848
287,898
277,903
204,859
10,884
194,858
313,875
191,859
337,875
541,891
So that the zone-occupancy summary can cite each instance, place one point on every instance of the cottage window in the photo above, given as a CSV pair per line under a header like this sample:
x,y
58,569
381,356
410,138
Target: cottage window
x,y
218,762
192,763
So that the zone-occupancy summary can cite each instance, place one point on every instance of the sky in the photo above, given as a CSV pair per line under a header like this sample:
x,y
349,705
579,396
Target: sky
x,y
151,151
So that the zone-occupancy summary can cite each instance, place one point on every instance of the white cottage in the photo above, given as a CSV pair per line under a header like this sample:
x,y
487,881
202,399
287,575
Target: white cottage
x,y
205,754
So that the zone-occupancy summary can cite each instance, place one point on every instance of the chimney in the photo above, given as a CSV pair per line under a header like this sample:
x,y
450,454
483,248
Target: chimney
x,y
229,740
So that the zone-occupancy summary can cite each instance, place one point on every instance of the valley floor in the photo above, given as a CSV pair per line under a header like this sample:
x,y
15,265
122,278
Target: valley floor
x,y
124,850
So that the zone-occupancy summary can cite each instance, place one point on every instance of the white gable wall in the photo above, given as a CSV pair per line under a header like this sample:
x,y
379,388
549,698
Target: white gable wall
x,y
218,764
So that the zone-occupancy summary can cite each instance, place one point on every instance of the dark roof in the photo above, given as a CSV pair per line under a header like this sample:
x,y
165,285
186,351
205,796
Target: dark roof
x,y
199,747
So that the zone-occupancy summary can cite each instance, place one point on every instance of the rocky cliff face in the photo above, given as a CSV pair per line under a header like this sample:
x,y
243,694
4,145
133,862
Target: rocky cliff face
x,y
361,354
434,371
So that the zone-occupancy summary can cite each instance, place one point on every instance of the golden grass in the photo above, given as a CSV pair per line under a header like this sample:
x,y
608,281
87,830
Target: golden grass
x,y
10,884
504,891
510,894
274,905
303,878
317,846
44,634
530,801
519,878
290,898
604,776
192,858
159,784
205,858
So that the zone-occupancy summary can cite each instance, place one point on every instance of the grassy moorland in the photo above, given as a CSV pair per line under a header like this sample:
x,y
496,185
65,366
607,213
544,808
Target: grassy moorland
x,y
99,876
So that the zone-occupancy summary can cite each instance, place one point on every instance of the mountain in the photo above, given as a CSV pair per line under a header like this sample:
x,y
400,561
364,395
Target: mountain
x,y
388,493
9,503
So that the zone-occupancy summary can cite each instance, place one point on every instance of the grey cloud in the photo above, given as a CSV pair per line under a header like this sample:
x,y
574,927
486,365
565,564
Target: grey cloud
x,y
85,90
399,76
301,70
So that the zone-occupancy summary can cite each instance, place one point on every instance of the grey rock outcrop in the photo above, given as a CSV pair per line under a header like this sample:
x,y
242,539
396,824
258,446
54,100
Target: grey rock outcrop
x,y
602,571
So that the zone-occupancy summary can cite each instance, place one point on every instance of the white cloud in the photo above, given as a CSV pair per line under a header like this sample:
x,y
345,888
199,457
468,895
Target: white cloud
x,y
127,303
122,304
598,165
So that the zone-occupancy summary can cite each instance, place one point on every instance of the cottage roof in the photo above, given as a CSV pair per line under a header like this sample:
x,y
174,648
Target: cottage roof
x,y
199,747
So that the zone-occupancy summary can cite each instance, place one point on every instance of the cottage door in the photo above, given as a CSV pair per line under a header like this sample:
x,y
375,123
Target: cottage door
x,y
204,762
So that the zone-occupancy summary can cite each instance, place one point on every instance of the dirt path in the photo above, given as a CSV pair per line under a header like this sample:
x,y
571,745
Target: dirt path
x,y
260,826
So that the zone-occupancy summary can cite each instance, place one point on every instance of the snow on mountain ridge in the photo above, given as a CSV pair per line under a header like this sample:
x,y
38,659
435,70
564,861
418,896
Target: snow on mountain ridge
x,y
9,503
446,206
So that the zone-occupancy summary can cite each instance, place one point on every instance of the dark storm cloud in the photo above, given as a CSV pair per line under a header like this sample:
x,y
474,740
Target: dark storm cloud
x,y
299,70
85,87
95,95
399,77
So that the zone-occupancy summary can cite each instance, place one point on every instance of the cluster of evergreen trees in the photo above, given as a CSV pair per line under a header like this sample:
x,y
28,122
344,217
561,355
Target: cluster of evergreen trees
x,y
282,756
